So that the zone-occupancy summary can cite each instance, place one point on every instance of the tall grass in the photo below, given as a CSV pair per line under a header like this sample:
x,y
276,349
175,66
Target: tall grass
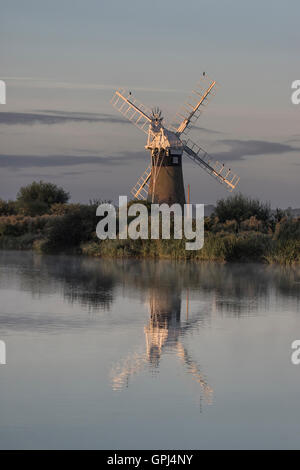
x,y
72,226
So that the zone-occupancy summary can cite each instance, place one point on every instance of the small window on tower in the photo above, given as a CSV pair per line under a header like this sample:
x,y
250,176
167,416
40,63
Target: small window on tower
x,y
175,160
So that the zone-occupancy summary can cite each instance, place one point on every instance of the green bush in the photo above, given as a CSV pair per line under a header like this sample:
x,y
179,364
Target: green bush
x,y
16,225
22,242
7,208
287,229
38,197
60,208
215,248
64,232
71,229
240,208
284,252
249,246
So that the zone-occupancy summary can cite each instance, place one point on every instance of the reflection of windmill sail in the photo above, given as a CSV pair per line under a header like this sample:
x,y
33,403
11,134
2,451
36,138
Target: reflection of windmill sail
x,y
193,368
122,371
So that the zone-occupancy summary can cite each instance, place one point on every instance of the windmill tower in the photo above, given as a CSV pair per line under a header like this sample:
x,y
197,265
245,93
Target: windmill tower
x,y
162,181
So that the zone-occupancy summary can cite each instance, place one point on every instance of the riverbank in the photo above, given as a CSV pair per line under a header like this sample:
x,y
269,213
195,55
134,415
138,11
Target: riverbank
x,y
222,243
243,247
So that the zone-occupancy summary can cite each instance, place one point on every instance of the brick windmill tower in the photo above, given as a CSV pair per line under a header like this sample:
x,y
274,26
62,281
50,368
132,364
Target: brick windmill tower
x,y
162,181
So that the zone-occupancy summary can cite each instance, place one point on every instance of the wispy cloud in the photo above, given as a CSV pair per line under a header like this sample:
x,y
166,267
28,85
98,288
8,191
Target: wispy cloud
x,y
206,130
28,161
57,117
239,149
294,138
32,82
54,117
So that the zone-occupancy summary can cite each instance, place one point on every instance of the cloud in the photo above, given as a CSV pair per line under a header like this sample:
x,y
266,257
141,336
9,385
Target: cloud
x,y
53,117
294,138
17,162
57,117
61,174
32,82
205,129
239,149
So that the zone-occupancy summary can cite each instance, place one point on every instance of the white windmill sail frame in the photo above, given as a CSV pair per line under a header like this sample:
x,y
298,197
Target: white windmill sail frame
x,y
132,109
193,107
216,169
140,189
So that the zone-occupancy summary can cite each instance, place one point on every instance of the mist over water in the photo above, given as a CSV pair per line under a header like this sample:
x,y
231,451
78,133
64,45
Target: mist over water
x,y
147,354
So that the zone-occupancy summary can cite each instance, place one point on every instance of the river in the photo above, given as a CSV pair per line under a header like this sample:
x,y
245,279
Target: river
x,y
130,354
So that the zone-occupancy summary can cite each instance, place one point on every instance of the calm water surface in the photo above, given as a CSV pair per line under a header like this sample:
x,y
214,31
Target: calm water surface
x,y
140,354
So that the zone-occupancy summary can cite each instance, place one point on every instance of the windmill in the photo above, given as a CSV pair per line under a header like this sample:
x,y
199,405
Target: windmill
x,y
162,181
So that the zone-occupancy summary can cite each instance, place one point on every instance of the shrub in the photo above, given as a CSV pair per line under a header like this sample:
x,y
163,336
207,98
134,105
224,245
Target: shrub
x,y
64,231
240,208
23,242
250,246
287,229
215,248
284,252
7,207
38,197
69,230
252,224
16,225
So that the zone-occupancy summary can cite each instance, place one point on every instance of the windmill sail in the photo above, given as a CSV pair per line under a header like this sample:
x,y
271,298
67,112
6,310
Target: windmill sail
x,y
140,190
193,107
216,169
135,111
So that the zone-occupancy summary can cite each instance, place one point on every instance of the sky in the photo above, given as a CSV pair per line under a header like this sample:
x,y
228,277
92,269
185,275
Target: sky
x,y
63,60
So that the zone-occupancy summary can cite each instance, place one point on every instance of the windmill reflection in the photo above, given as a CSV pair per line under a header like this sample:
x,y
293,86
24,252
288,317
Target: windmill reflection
x,y
164,331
